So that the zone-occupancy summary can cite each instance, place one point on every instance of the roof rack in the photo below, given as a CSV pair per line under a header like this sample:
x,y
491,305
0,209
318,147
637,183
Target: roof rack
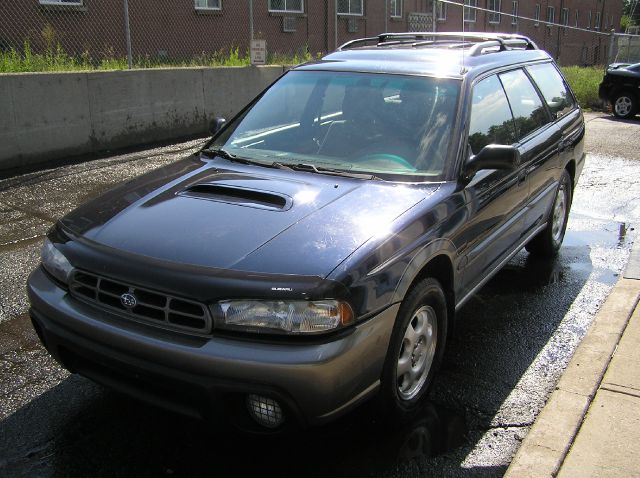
x,y
479,42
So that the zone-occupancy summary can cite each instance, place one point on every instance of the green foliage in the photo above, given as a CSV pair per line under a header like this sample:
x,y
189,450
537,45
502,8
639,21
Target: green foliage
x,y
625,21
54,58
585,82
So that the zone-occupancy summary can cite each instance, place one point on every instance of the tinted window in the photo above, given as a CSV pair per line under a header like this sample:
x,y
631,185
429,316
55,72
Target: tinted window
x,y
491,120
553,88
528,112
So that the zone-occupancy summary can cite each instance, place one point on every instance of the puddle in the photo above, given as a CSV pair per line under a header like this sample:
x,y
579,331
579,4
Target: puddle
x,y
613,234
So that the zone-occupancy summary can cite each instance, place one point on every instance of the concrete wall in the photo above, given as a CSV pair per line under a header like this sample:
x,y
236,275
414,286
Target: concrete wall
x,y
45,116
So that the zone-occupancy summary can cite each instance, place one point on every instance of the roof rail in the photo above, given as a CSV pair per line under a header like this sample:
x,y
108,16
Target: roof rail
x,y
479,41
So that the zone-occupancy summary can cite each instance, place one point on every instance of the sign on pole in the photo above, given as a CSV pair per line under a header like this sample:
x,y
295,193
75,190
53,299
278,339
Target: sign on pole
x,y
258,52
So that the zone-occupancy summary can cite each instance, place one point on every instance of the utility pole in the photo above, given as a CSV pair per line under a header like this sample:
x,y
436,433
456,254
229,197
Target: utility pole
x,y
127,32
251,20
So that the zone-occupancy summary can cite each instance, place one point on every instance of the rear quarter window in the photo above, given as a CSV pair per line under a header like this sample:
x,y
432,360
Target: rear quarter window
x,y
553,88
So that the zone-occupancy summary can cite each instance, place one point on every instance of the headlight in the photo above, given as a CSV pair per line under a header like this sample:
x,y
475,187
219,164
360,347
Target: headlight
x,y
55,263
293,317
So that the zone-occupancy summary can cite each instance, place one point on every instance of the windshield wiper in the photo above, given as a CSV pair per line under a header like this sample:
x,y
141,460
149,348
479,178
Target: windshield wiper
x,y
312,168
223,153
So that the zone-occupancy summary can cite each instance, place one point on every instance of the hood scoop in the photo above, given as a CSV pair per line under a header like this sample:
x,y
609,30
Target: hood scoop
x,y
240,196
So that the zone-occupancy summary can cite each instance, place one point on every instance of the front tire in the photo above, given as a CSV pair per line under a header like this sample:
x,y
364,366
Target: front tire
x,y
624,105
547,243
416,348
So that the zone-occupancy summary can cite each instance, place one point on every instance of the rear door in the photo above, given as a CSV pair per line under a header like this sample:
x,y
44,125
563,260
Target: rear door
x,y
568,144
539,140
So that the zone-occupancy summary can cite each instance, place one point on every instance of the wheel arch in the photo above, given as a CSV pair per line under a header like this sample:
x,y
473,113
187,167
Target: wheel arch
x,y
438,265
571,169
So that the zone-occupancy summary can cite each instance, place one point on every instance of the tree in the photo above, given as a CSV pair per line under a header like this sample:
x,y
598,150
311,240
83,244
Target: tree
x,y
631,8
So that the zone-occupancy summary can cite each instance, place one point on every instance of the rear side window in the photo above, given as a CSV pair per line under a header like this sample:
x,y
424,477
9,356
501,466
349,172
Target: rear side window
x,y
491,121
555,91
528,111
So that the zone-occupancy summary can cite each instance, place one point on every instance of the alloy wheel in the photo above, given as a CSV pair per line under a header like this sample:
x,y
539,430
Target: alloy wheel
x,y
417,352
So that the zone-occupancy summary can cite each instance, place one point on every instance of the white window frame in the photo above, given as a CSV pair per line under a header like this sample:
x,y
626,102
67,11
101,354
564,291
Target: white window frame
x,y
349,13
597,25
441,12
470,14
564,17
397,11
536,15
286,10
514,12
495,11
63,3
207,8
551,14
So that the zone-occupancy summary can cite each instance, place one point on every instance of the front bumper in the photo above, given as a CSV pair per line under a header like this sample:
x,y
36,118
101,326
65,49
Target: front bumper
x,y
315,382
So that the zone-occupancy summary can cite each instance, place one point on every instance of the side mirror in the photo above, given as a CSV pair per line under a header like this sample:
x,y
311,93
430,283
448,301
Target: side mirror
x,y
492,156
216,125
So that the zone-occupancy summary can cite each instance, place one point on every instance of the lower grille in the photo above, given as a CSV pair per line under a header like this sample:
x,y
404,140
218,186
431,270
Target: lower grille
x,y
141,304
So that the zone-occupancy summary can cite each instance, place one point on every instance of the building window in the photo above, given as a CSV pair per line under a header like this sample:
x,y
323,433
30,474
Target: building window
x,y
495,7
350,7
441,11
288,6
208,4
514,12
565,16
577,18
396,8
597,24
470,13
74,3
589,21
551,14
536,15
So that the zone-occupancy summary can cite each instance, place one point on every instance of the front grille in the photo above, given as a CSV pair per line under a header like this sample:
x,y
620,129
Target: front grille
x,y
141,304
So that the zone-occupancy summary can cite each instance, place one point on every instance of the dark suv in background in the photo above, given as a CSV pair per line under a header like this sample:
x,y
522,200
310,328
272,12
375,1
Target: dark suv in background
x,y
315,251
621,87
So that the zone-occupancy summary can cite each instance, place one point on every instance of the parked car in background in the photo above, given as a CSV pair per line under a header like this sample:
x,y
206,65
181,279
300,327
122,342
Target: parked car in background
x,y
621,87
314,253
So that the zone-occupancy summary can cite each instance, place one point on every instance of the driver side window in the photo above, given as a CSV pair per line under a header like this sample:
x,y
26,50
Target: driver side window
x,y
491,119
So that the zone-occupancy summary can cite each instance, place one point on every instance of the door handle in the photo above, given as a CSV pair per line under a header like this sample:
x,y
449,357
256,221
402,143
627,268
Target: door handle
x,y
522,177
563,145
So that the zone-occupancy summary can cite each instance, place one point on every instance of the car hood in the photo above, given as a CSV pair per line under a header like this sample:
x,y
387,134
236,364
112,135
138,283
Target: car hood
x,y
226,215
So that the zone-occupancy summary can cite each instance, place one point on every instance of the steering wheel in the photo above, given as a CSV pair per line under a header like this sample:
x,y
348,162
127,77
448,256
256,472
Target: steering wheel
x,y
386,157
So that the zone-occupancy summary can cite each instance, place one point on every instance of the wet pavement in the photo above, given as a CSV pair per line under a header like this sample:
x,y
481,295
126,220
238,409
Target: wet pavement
x,y
515,339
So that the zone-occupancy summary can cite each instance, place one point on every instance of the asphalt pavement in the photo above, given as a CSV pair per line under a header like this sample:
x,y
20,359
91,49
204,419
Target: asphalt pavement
x,y
516,339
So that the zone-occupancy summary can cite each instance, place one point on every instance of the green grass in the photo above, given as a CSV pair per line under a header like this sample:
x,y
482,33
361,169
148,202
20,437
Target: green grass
x,y
54,58
584,81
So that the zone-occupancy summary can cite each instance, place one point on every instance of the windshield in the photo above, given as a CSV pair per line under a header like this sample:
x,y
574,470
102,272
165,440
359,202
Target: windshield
x,y
361,122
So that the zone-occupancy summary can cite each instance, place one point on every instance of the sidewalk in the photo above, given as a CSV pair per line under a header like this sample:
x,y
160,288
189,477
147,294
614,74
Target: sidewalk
x,y
590,427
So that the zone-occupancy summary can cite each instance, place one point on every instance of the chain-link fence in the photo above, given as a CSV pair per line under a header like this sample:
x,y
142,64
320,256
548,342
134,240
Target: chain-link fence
x,y
573,32
625,49
38,35
49,34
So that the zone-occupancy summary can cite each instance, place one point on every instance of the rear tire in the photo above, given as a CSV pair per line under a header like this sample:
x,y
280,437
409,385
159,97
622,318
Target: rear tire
x,y
625,105
547,243
416,349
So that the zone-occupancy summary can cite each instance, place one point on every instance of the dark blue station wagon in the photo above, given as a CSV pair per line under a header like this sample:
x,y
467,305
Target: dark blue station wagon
x,y
314,253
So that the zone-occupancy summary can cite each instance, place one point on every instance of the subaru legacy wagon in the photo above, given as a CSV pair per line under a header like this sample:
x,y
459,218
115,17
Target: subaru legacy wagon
x,y
314,252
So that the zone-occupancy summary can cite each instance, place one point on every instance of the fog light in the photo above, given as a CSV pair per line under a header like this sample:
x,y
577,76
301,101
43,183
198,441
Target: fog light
x,y
266,411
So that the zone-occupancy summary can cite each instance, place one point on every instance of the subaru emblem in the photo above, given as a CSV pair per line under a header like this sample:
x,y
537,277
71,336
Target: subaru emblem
x,y
128,300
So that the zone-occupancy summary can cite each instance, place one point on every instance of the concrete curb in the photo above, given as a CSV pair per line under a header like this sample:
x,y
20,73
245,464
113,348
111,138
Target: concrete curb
x,y
547,444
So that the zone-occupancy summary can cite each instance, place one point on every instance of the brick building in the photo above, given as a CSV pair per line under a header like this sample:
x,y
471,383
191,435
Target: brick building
x,y
182,29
